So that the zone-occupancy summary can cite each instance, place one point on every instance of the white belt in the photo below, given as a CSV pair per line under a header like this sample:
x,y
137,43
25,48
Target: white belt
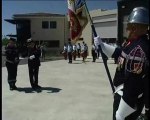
x,y
120,92
119,88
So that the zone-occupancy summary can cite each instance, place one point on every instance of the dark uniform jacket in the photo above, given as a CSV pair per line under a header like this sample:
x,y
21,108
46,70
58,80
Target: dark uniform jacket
x,y
132,70
35,62
12,55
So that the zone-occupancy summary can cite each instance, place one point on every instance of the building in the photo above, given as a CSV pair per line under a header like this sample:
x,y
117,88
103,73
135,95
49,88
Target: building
x,y
44,28
105,23
53,29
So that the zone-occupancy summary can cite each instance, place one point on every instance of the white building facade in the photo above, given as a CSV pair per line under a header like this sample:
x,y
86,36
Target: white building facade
x,y
105,23
53,29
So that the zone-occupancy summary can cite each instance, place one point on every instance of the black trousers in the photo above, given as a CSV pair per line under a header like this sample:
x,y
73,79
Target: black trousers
x,y
134,115
12,73
33,75
98,53
79,52
70,57
94,55
74,55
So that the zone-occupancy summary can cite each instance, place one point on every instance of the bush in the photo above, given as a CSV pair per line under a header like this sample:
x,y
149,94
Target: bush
x,y
5,41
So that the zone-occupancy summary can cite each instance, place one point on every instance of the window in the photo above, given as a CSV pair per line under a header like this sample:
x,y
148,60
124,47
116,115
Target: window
x,y
53,24
53,43
45,24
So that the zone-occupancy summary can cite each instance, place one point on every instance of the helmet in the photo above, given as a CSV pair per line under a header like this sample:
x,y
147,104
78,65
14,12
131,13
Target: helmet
x,y
139,15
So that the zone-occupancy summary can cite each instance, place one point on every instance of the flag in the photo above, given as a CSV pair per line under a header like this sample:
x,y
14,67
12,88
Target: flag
x,y
78,18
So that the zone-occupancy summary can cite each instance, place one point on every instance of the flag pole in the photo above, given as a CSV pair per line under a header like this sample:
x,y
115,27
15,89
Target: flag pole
x,y
99,47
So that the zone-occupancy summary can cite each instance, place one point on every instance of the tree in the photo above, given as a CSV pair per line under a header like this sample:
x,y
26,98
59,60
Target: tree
x,y
5,41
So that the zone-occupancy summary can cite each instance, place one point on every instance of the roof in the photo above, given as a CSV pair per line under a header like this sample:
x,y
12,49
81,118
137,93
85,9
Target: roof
x,y
37,15
100,12
11,35
15,21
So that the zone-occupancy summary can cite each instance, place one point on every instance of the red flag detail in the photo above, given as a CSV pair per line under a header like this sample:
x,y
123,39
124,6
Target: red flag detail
x,y
78,18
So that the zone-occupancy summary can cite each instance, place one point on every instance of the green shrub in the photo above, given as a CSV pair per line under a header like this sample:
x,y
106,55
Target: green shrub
x,y
5,41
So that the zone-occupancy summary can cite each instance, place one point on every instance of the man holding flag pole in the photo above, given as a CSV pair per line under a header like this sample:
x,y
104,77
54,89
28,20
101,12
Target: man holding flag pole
x,y
131,81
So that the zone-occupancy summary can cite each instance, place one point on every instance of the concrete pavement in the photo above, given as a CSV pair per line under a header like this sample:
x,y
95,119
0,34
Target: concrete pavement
x,y
77,91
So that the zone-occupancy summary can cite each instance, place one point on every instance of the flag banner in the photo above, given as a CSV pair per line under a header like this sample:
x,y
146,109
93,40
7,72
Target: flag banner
x,y
78,18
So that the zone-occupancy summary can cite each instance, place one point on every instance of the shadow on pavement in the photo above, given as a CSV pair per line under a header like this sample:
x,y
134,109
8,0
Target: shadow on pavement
x,y
30,90
76,63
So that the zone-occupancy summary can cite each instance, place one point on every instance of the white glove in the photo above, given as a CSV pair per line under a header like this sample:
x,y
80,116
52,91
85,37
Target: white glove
x,y
32,57
97,41
106,48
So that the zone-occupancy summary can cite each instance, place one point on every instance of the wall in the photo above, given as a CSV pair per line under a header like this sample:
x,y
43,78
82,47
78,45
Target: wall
x,y
39,34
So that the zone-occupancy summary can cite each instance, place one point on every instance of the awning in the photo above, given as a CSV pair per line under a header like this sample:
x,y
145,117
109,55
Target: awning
x,y
11,35
15,21
11,21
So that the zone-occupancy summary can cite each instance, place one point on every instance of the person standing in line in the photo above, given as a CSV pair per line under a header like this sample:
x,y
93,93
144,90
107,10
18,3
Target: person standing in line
x,y
131,80
64,52
98,52
12,61
42,47
84,51
94,53
74,53
34,54
78,50
69,51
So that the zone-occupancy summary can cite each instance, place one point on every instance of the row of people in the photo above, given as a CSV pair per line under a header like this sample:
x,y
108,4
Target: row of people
x,y
71,51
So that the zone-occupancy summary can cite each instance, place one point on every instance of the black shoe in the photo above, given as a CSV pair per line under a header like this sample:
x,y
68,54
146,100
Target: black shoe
x,y
38,87
13,88
33,87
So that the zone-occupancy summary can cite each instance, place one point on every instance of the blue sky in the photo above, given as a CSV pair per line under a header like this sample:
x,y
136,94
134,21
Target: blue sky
x,y
10,7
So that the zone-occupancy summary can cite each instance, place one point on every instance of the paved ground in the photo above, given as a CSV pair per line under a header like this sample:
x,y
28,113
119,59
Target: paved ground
x,y
78,91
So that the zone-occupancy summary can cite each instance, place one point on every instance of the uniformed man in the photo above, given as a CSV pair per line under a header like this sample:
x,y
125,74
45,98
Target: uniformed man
x,y
94,52
131,79
64,52
78,50
69,51
43,51
34,54
74,53
84,51
12,61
